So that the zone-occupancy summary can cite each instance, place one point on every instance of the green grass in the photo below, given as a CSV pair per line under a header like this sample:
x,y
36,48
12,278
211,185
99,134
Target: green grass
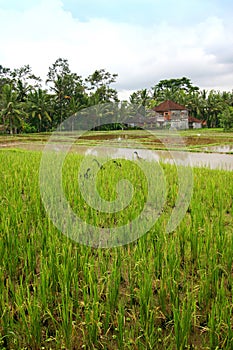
x,y
164,291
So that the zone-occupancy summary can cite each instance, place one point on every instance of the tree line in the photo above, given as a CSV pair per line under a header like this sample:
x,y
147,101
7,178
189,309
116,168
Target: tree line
x,y
26,106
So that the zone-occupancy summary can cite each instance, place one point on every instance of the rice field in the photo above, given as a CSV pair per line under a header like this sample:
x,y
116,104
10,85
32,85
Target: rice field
x,y
195,140
162,291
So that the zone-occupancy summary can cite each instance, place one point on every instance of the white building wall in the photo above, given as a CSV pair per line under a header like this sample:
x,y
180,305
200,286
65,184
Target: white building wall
x,y
179,124
197,126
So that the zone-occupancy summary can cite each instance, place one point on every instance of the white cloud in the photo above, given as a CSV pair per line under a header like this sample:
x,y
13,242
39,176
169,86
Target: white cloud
x,y
140,55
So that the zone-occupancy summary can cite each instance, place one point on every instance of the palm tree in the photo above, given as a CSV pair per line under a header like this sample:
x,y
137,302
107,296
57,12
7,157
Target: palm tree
x,y
140,97
226,118
12,111
215,105
39,109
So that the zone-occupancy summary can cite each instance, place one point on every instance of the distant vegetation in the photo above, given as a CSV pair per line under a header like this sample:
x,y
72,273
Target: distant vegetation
x,y
26,106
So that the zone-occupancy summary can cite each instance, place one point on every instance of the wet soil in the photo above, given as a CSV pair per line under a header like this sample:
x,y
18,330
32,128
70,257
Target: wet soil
x,y
198,142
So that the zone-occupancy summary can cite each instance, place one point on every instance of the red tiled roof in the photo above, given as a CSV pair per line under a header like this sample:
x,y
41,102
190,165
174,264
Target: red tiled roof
x,y
195,120
168,106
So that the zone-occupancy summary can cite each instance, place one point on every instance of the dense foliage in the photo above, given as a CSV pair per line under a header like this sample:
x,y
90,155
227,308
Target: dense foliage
x,y
27,106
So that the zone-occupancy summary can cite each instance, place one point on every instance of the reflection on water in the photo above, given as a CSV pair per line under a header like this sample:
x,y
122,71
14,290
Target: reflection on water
x,y
211,160
219,149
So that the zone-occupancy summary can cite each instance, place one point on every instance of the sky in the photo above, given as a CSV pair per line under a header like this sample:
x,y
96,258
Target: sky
x,y
143,41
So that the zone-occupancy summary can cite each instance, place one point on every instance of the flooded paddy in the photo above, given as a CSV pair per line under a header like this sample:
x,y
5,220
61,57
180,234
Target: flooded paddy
x,y
198,150
219,149
210,160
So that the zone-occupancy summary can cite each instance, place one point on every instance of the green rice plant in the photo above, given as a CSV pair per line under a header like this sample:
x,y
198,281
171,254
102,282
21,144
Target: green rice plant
x,y
29,315
145,296
163,291
120,325
183,314
114,282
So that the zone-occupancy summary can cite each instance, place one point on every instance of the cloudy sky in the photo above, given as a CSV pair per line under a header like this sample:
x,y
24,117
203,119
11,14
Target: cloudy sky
x,y
143,41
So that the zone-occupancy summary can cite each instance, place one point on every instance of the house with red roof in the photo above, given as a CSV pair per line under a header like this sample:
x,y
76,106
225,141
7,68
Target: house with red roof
x,y
167,114
175,116
172,114
195,123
